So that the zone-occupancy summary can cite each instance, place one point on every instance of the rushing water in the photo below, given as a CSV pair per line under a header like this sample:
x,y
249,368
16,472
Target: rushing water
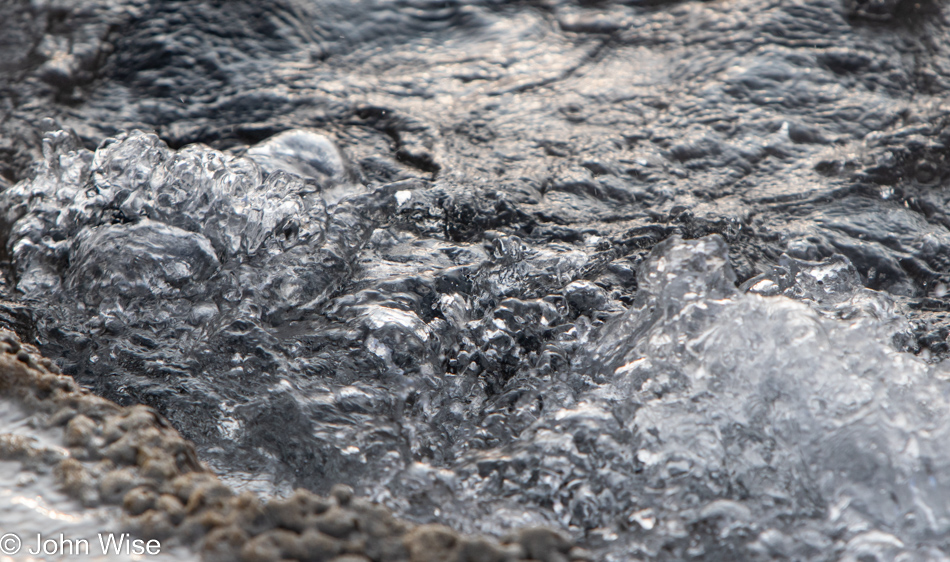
x,y
671,278
483,384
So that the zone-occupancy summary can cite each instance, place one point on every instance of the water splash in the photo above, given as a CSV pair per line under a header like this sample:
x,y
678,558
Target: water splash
x,y
490,383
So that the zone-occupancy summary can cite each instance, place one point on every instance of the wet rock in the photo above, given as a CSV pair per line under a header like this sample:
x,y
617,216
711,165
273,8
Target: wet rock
x,y
224,544
429,543
315,546
294,512
138,500
336,522
342,493
543,544
77,481
80,431
116,483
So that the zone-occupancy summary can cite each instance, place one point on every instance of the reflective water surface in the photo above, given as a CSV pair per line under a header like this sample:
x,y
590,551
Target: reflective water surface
x,y
671,277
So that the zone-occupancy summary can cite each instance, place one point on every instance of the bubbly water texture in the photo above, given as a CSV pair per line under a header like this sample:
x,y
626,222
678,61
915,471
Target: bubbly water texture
x,y
303,332
730,426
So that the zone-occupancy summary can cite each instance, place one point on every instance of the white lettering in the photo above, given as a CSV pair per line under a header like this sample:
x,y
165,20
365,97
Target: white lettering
x,y
60,546
35,551
110,544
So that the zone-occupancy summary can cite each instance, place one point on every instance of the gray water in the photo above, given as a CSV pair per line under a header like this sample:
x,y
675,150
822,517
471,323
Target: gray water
x,y
671,278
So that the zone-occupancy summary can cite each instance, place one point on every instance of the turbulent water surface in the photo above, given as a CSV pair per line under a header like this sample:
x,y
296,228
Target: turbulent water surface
x,y
669,276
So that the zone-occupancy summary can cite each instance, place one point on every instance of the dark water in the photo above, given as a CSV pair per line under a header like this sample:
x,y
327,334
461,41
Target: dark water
x,y
411,251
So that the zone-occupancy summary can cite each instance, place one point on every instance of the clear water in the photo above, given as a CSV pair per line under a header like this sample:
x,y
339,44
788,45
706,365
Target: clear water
x,y
303,331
